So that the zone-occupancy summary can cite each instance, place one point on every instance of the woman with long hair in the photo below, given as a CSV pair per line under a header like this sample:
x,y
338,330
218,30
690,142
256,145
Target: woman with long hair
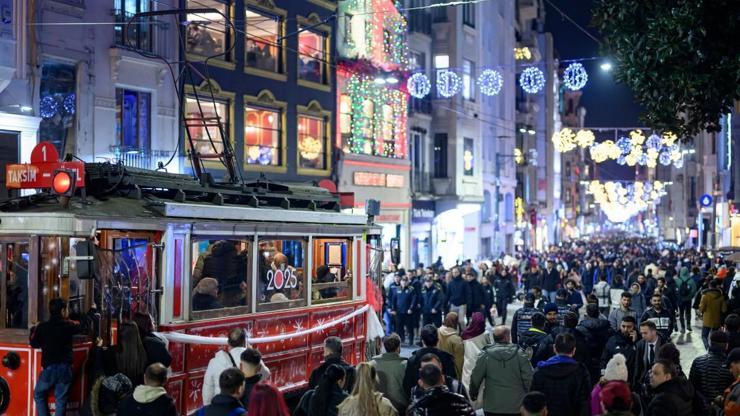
x,y
450,341
156,347
326,397
130,353
267,400
365,398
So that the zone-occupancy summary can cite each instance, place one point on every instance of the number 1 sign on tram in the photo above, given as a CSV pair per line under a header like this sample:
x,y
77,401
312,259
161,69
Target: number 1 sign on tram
x,y
40,172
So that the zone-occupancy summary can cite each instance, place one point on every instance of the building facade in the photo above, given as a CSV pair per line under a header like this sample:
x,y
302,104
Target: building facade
x,y
371,129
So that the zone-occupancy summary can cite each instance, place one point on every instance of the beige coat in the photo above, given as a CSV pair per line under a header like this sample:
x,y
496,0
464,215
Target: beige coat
x,y
349,407
450,341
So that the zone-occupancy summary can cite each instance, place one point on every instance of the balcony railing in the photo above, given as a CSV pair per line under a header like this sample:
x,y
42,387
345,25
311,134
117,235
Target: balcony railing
x,y
139,158
421,182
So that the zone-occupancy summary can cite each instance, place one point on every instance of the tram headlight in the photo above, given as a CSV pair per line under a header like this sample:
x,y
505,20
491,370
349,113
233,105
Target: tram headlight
x,y
63,182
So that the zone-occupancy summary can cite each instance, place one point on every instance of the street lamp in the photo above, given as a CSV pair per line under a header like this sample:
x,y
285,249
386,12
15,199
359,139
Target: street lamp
x,y
606,66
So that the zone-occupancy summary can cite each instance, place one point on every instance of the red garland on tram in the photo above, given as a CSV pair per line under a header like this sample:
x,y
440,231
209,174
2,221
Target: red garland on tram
x,y
201,257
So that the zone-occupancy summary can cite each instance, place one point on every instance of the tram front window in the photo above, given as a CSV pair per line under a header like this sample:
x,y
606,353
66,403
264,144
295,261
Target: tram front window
x,y
220,274
332,274
282,274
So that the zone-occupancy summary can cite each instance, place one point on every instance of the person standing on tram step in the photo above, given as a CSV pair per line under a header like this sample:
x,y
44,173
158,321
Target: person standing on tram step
x,y
54,337
156,347
236,343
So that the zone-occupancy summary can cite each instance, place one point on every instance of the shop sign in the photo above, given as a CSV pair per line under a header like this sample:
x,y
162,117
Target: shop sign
x,y
388,218
385,180
422,212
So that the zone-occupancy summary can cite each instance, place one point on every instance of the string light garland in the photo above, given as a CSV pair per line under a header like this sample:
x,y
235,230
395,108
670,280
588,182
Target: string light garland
x,y
490,82
585,138
621,202
418,85
575,76
532,80
448,83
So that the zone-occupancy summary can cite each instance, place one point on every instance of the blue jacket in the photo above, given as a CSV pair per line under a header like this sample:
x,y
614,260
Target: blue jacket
x,y
458,292
403,299
431,298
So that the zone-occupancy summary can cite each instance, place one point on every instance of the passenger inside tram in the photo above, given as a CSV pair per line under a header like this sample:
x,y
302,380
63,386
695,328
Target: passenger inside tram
x,y
206,295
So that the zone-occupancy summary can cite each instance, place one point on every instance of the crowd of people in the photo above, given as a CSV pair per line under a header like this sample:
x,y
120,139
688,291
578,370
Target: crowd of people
x,y
596,334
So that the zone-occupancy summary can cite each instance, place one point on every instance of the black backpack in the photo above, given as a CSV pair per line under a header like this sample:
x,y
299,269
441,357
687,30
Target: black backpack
x,y
684,290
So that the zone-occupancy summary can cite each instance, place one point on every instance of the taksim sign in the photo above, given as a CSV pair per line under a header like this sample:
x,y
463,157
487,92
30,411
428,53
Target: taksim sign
x,y
40,173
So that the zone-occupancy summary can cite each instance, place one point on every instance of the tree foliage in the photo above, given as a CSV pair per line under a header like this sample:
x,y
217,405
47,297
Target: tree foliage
x,y
681,58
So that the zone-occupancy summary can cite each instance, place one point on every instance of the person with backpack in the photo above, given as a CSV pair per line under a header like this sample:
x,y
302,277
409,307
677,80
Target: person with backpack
x,y
530,340
686,292
226,403
602,290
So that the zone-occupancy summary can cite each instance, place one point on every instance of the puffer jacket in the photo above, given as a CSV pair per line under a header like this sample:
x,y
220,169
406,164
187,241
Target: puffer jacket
x,y
530,341
708,374
507,374
597,333
712,306
439,401
450,341
566,385
672,398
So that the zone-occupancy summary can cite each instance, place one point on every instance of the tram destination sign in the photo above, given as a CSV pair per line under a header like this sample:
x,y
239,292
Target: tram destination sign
x,y
40,172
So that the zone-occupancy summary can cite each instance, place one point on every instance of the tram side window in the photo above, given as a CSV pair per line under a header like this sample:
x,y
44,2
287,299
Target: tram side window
x,y
58,278
14,272
282,273
332,274
220,275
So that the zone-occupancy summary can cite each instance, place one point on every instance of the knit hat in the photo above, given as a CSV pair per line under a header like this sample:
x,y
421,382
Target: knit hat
x,y
551,307
616,395
616,368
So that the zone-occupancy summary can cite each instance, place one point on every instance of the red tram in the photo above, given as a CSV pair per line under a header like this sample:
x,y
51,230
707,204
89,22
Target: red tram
x,y
285,263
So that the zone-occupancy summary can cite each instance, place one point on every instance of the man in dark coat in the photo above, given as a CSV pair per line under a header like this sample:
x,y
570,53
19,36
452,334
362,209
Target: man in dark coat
x,y
570,322
333,355
476,296
708,376
664,320
432,300
646,350
438,400
623,342
673,396
551,281
429,338
226,403
531,339
458,294
504,293
564,381
522,319
150,398
403,303
597,332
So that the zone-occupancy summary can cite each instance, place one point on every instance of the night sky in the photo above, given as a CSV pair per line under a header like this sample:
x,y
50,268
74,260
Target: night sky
x,y
607,103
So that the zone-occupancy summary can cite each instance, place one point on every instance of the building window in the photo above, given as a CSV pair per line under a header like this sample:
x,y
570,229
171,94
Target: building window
x,y
468,87
468,157
133,119
57,103
440,155
138,35
312,142
469,14
417,60
262,136
441,61
263,41
282,272
509,207
207,33
345,114
312,57
485,212
221,276
203,136
331,277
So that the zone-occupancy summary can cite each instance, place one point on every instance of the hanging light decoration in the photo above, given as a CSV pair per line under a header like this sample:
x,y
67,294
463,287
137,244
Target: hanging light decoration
x,y
665,158
532,80
624,144
678,164
48,107
669,138
575,76
653,142
621,160
448,83
585,138
564,140
490,82
637,138
418,85
621,202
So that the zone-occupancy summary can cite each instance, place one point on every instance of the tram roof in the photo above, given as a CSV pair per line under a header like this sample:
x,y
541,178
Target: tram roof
x,y
119,193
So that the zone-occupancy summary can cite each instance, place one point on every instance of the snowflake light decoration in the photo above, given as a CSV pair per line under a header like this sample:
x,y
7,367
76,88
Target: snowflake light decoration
x,y
532,80
418,85
653,142
665,158
48,107
490,82
575,76
624,145
448,83
585,138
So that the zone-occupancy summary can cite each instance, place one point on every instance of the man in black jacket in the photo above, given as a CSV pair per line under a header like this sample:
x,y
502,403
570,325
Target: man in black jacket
x,y
476,296
563,380
504,293
664,320
431,303
708,374
333,355
54,337
531,339
570,322
623,342
437,399
551,281
458,293
250,364
522,319
646,350
429,339
150,398
597,332
673,396
226,403
403,303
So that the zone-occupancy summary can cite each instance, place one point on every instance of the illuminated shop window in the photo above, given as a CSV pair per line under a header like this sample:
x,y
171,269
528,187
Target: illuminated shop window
x,y
262,136
312,57
207,33
263,46
312,144
200,135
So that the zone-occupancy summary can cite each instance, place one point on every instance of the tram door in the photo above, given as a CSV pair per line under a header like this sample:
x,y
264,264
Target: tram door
x,y
14,279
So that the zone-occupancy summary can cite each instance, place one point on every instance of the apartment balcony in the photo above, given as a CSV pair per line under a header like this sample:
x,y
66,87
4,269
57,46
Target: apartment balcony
x,y
420,105
442,186
420,21
421,182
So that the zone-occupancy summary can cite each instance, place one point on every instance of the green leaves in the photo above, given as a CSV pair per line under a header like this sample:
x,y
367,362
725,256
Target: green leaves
x,y
680,58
